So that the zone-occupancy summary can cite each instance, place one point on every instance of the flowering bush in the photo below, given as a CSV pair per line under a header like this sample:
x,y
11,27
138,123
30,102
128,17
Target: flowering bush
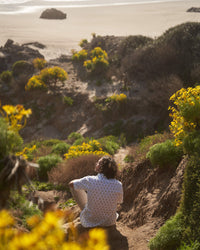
x,y
186,114
80,56
35,82
119,98
15,116
39,63
83,42
53,75
92,147
26,151
47,77
46,233
99,61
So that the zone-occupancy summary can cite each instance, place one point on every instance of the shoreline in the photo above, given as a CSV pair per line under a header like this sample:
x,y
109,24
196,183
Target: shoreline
x,y
61,36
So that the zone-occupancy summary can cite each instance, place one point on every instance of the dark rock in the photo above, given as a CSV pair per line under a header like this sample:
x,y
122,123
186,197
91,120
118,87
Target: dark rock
x,y
53,14
35,44
12,52
9,43
193,9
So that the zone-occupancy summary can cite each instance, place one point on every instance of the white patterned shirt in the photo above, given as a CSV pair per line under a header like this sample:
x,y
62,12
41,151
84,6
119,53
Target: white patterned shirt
x,y
103,195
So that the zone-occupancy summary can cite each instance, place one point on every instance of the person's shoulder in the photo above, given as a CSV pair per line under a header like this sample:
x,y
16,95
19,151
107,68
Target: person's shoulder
x,y
117,182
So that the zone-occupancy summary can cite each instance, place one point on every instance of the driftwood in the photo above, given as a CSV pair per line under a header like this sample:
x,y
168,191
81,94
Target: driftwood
x,y
14,173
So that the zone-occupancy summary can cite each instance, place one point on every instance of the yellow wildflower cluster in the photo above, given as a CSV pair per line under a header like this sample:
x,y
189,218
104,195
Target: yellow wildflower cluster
x,y
99,60
35,83
92,147
15,116
47,233
118,98
186,115
46,77
80,56
39,63
25,151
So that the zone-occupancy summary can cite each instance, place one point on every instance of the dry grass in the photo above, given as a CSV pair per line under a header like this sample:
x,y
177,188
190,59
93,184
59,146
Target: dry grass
x,y
73,169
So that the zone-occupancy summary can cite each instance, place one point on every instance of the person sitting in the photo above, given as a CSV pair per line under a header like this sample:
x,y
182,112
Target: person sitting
x,y
98,196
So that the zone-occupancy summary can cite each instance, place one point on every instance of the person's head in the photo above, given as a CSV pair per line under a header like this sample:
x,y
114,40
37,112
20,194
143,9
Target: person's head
x,y
107,166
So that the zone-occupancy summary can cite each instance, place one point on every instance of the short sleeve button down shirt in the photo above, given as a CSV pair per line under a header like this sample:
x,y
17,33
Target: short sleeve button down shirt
x,y
103,195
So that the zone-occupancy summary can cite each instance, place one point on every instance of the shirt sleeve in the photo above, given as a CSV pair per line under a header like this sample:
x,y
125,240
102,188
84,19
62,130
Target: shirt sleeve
x,y
121,195
82,183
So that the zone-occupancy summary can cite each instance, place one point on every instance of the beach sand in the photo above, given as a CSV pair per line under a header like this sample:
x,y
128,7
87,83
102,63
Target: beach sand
x,y
60,36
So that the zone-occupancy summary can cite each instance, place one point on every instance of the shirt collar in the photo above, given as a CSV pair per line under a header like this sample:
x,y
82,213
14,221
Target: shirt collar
x,y
101,176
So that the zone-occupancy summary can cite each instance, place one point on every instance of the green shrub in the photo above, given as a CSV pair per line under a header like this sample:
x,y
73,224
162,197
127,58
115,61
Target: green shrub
x,y
74,136
46,163
47,186
165,154
110,144
128,158
6,76
60,148
22,67
50,142
192,246
169,235
68,100
10,141
190,205
19,204
191,143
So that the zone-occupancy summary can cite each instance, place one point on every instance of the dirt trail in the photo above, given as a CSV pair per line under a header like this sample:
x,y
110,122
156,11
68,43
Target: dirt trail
x,y
132,239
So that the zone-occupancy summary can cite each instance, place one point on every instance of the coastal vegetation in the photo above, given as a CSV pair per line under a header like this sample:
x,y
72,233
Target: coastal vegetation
x,y
155,76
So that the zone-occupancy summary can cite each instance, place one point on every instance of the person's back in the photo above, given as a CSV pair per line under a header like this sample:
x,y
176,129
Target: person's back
x,y
104,192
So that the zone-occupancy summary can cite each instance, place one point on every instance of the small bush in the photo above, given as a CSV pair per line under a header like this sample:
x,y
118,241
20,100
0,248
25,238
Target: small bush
x,y
190,204
192,246
74,136
110,144
50,76
35,82
91,147
83,42
80,56
46,163
6,76
169,235
191,143
73,169
10,141
39,63
165,154
119,98
60,148
68,100
22,67
22,206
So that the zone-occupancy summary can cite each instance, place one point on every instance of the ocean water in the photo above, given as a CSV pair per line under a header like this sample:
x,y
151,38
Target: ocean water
x,y
25,6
